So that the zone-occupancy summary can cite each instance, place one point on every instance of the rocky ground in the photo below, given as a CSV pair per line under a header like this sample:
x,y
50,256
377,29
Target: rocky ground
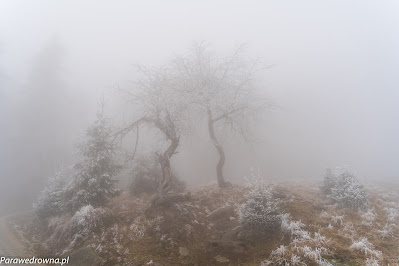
x,y
204,229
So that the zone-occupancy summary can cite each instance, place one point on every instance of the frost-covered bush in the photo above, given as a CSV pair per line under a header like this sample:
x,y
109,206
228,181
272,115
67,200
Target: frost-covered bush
x,y
364,246
391,222
304,248
65,232
260,212
147,175
372,262
51,200
293,228
90,181
393,214
89,219
299,253
368,217
345,189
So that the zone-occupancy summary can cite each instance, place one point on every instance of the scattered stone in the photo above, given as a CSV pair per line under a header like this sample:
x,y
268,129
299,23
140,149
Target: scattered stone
x,y
183,251
153,263
221,259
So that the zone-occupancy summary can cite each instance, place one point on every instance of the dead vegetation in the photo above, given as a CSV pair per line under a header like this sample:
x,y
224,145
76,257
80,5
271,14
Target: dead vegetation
x,y
204,229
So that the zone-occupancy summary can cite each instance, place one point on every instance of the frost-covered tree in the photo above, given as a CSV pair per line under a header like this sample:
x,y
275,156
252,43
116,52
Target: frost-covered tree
x,y
52,200
260,212
93,182
224,91
90,181
344,188
162,104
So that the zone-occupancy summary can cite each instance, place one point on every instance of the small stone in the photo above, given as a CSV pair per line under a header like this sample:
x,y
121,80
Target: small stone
x,y
153,263
183,251
221,259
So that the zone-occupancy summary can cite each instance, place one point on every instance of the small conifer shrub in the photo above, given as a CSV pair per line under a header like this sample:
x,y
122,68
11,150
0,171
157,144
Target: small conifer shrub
x,y
260,212
345,189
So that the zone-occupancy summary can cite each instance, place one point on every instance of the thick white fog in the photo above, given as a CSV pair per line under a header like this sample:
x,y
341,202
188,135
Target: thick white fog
x,y
333,80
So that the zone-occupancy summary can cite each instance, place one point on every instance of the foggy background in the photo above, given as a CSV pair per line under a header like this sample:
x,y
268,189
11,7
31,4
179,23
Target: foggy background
x,y
334,80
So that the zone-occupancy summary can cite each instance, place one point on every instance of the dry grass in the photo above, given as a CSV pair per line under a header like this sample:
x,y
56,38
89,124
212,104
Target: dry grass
x,y
182,234
317,212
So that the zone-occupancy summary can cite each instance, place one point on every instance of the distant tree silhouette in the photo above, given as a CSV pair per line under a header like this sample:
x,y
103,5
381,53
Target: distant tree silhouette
x,y
44,125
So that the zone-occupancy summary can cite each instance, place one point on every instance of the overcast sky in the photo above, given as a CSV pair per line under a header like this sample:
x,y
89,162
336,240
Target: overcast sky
x,y
334,78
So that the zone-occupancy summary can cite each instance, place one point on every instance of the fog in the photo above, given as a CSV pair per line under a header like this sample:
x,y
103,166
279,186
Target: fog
x,y
333,79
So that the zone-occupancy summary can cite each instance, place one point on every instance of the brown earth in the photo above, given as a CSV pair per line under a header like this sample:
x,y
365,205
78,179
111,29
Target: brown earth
x,y
205,230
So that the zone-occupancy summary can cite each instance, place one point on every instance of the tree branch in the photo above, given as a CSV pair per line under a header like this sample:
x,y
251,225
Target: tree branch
x,y
127,129
227,114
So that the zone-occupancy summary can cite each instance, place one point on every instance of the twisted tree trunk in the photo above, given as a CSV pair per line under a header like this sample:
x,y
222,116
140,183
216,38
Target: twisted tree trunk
x,y
164,159
219,148
166,174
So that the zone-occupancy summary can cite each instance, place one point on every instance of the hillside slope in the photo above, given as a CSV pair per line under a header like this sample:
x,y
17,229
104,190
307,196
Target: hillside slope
x,y
204,229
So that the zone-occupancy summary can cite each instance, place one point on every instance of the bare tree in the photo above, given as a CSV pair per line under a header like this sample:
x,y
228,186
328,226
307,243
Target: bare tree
x,y
161,105
223,89
169,98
